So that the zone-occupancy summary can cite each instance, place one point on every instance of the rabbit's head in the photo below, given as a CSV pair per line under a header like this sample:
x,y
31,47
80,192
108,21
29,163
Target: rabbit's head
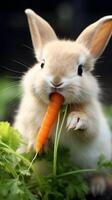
x,y
63,65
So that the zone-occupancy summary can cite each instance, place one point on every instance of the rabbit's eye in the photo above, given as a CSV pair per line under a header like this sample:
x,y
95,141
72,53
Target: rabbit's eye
x,y
42,64
80,70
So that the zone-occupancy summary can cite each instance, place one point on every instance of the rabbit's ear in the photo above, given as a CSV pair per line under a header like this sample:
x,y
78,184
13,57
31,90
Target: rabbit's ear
x,y
41,32
96,36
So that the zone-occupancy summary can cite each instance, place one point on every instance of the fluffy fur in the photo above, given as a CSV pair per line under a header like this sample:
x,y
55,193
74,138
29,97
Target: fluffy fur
x,y
86,132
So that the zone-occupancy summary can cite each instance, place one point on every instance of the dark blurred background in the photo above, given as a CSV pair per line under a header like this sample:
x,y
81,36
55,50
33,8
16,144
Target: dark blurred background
x,y
68,18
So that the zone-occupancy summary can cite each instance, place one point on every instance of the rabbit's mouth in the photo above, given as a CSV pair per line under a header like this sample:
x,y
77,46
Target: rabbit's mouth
x,y
69,96
58,90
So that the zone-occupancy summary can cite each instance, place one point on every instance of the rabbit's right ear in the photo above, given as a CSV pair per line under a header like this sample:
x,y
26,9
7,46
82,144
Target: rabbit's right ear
x,y
41,32
96,36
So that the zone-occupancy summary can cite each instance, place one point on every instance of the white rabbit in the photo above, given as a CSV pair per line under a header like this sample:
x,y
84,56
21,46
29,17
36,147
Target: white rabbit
x,y
65,66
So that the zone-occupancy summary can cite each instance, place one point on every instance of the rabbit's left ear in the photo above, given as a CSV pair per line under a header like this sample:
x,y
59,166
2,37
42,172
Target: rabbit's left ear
x,y
41,32
96,36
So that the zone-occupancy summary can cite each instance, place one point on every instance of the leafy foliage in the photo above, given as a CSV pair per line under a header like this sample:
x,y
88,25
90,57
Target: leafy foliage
x,y
103,163
18,182
13,167
9,135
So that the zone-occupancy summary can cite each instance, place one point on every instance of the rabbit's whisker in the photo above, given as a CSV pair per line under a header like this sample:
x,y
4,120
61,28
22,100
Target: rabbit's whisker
x,y
11,70
21,63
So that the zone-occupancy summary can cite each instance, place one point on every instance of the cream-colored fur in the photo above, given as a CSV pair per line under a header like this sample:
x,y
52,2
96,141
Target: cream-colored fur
x,y
86,132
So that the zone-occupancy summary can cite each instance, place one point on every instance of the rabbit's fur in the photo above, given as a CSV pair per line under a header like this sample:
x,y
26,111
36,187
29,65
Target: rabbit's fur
x,y
86,132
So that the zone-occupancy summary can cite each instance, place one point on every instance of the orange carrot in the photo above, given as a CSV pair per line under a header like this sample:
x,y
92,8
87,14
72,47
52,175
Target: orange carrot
x,y
56,101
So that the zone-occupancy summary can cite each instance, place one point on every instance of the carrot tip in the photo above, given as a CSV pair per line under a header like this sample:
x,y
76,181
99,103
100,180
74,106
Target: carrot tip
x,y
38,147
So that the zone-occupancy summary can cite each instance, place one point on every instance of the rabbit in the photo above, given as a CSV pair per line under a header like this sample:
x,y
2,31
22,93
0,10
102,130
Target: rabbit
x,y
65,66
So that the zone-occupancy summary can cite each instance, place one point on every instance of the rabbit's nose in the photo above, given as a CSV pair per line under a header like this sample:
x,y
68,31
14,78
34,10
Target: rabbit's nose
x,y
56,85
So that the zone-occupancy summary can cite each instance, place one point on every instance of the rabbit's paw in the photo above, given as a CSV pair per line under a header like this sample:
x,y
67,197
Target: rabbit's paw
x,y
77,121
98,185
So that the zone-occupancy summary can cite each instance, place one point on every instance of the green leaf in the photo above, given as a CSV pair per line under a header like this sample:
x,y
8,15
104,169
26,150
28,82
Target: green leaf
x,y
103,163
9,135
